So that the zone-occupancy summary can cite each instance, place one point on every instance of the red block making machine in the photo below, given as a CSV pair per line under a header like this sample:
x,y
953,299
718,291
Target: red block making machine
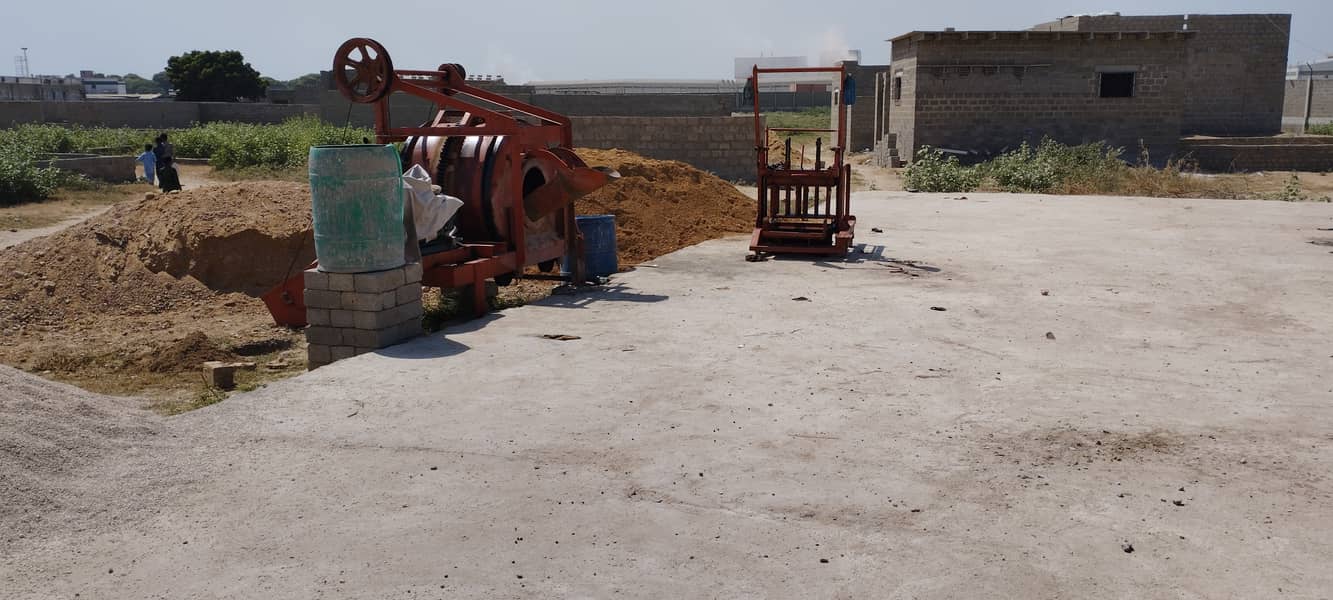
x,y
804,207
510,162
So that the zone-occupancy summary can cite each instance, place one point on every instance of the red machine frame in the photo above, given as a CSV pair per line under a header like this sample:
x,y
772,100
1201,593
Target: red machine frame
x,y
802,210
525,138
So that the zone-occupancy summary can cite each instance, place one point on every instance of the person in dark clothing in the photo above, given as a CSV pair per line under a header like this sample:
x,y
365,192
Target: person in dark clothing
x,y
165,154
168,177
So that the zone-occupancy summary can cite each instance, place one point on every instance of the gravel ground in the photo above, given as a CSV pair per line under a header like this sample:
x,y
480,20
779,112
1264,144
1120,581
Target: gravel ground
x,y
1005,396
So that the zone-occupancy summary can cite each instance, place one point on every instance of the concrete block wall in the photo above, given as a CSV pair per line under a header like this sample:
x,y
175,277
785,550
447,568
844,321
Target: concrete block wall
x,y
115,169
1225,155
353,314
990,109
1235,66
146,114
723,146
407,111
1321,105
862,125
902,109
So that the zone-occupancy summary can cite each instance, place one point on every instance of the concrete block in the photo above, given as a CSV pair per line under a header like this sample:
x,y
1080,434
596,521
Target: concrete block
x,y
323,299
388,300
379,281
342,318
317,316
411,329
412,273
376,339
220,375
326,336
376,320
342,282
318,354
407,312
409,293
360,301
342,352
316,280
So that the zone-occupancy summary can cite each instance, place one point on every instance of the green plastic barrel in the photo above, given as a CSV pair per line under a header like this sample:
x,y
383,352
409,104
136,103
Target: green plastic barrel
x,y
357,200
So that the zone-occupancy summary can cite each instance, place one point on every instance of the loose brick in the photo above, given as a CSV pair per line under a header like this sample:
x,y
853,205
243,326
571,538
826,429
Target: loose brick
x,y
220,375
380,281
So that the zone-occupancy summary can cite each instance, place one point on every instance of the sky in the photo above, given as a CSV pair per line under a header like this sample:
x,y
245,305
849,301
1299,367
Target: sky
x,y
554,40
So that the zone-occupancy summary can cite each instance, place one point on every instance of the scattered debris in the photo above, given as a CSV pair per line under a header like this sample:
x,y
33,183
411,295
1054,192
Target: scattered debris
x,y
939,309
1046,292
800,299
1127,547
560,337
1050,336
1178,502
876,230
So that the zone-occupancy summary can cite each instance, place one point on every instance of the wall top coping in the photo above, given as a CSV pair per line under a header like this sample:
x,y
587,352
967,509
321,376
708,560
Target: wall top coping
x,y
1028,35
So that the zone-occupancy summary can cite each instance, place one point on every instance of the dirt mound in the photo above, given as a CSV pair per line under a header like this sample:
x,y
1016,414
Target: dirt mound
x,y
183,355
48,431
141,294
160,254
662,206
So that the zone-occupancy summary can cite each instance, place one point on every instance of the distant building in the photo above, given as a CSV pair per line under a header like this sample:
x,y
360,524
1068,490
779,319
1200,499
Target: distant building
x,y
1126,80
100,84
635,86
41,87
782,82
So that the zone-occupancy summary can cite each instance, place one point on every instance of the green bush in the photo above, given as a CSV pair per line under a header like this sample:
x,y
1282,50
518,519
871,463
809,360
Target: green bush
x,y
1056,166
21,180
228,145
934,171
1325,129
287,145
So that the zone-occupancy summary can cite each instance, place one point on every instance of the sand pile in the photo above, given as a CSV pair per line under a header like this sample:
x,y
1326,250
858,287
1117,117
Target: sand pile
x,y
160,254
662,206
140,286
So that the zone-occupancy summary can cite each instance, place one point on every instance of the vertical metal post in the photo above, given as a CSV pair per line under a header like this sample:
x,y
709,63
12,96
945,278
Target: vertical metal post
x,y
1309,98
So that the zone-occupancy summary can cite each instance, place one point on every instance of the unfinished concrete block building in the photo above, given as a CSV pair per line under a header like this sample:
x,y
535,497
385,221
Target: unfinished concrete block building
x,y
1129,80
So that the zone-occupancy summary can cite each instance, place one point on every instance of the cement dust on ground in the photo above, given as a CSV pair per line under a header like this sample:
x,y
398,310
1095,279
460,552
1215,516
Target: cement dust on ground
x,y
708,436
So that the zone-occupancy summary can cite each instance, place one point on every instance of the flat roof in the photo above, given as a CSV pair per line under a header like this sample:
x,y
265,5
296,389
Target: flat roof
x,y
1040,35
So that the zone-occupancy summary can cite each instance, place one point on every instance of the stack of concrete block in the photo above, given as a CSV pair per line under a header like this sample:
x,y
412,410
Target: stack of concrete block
x,y
352,314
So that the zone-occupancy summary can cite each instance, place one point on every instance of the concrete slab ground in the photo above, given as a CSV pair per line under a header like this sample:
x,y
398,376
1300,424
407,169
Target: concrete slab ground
x,y
1106,375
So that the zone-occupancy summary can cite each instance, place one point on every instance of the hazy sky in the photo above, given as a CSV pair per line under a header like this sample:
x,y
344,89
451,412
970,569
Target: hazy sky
x,y
526,40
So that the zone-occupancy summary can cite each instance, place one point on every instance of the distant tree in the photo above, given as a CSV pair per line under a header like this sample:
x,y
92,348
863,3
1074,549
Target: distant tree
x,y
162,81
306,80
214,75
135,84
